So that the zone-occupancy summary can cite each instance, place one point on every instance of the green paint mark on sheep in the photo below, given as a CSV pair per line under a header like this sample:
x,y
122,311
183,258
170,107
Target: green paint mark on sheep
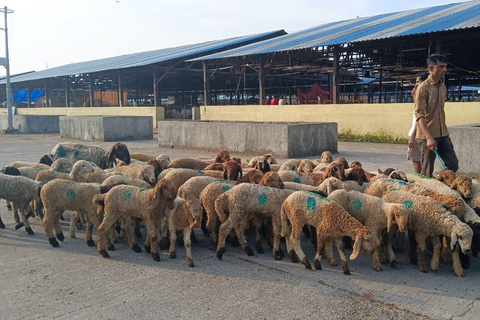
x,y
71,194
144,189
61,153
311,203
127,195
297,180
26,175
318,196
225,188
200,171
262,200
408,204
357,205
76,153
421,176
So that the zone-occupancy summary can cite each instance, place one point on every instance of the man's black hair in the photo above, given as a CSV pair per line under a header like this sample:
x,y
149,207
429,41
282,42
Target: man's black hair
x,y
435,58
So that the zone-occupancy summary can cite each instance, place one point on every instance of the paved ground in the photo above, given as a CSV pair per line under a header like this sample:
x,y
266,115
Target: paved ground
x,y
74,282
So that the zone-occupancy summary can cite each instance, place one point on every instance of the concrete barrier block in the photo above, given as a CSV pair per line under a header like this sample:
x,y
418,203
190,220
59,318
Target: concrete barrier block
x,y
465,140
286,140
31,124
100,128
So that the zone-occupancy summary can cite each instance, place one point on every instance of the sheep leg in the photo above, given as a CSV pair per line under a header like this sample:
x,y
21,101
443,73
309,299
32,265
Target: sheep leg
x,y
445,251
211,226
288,244
329,252
240,229
127,227
457,265
276,226
257,225
108,221
295,240
421,246
343,257
74,217
224,230
2,225
24,218
152,227
173,239
376,254
188,246
437,247
412,244
137,231
318,255
89,233
16,217
48,223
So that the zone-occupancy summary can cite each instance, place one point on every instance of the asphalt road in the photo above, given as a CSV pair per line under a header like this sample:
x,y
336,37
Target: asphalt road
x,y
75,282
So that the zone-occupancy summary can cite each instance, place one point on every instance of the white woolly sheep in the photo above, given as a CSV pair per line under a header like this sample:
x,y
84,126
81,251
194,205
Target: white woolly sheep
x,y
432,184
331,221
62,165
129,201
374,213
20,191
99,156
79,173
189,163
430,219
139,170
185,215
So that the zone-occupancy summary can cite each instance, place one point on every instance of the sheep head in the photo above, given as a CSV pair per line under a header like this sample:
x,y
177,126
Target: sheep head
x,y
263,166
326,157
162,195
447,177
398,214
157,165
462,235
148,174
343,161
463,185
232,171
195,208
11,171
272,179
270,158
47,159
305,166
364,240
222,156
336,170
357,175
252,176
476,237
117,151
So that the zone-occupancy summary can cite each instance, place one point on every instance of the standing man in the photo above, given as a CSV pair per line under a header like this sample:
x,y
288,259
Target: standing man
x,y
413,152
432,131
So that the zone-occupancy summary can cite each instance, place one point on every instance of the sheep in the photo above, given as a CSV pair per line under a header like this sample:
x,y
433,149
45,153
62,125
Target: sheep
x,y
99,156
330,220
219,166
343,161
141,156
474,201
185,215
140,171
331,184
381,187
79,173
29,172
180,175
100,175
59,195
357,175
194,186
431,219
305,166
447,177
164,173
298,177
291,164
222,156
62,165
374,213
232,171
251,176
47,159
19,164
119,179
20,191
164,161
189,163
241,202
129,201
334,169
463,185
432,184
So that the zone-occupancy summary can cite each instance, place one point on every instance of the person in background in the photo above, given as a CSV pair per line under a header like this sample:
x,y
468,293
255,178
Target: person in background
x,y
274,101
281,101
413,152
268,101
432,132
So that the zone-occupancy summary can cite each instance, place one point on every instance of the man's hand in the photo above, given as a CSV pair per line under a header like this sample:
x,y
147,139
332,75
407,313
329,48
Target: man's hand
x,y
431,144
411,142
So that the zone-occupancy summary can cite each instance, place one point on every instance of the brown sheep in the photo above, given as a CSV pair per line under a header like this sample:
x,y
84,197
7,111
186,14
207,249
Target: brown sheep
x,y
222,156
326,157
141,156
252,176
447,177
218,166
233,170
305,166
463,185
343,161
336,170
356,174
129,201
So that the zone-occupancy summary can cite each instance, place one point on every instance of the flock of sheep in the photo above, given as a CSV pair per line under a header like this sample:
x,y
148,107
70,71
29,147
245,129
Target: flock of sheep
x,y
332,202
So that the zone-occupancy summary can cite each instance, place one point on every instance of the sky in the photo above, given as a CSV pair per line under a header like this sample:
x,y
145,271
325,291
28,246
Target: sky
x,y
49,33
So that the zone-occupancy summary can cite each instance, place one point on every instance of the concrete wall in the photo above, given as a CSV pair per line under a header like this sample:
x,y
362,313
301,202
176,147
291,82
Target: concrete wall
x,y
106,128
465,140
284,140
157,113
394,118
31,124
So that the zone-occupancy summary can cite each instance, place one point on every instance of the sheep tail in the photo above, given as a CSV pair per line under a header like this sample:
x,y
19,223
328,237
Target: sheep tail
x,y
285,222
221,206
98,202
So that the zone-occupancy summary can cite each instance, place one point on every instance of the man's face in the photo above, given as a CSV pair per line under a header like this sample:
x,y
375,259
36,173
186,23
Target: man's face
x,y
438,70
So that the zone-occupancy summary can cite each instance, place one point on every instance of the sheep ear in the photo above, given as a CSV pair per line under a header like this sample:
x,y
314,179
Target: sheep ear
x,y
453,241
225,174
356,248
329,188
241,173
110,155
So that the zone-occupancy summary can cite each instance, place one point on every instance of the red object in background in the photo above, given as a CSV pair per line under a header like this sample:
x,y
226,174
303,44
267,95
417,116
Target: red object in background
x,y
312,94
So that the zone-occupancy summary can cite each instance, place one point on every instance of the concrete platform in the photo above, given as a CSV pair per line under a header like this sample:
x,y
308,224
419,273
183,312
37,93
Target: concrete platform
x,y
465,140
285,140
100,128
31,124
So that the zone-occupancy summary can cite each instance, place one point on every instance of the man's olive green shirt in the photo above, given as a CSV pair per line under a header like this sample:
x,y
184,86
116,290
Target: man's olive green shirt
x,y
429,104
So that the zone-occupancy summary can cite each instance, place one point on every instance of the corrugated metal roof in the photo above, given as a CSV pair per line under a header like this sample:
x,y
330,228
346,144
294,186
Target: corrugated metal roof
x,y
411,22
142,58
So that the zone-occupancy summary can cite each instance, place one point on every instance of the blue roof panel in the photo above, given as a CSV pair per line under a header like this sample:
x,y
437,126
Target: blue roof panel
x,y
410,22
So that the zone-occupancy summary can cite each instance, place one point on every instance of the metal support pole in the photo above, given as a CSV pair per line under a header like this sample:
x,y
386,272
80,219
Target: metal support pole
x,y
206,90
66,93
261,82
154,87
120,93
7,67
90,89
336,75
